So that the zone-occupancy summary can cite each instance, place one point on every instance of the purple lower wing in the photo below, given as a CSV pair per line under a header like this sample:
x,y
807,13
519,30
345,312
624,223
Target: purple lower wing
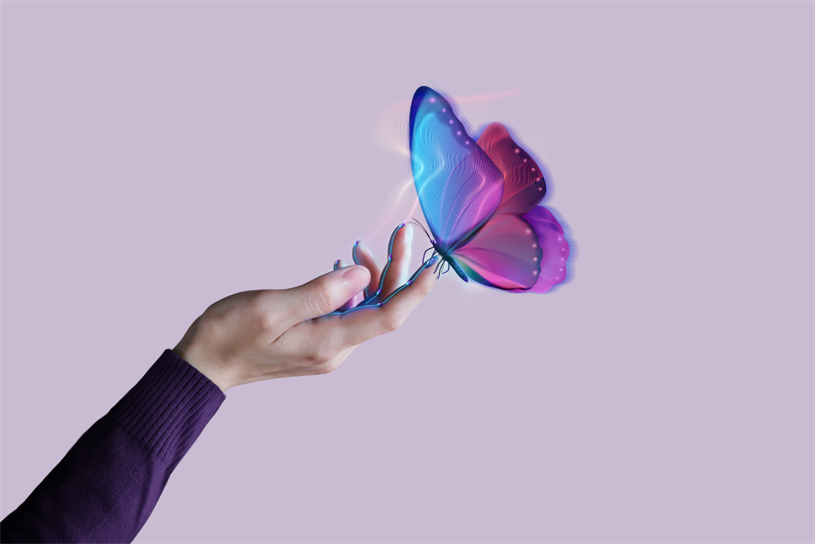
x,y
554,248
504,254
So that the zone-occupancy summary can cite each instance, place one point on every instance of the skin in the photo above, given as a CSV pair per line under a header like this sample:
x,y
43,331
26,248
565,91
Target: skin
x,y
266,334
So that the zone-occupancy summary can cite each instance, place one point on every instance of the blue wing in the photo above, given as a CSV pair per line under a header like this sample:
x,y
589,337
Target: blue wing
x,y
459,186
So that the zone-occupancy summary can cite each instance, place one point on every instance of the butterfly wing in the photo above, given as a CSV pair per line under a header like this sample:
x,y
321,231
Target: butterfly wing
x,y
524,184
522,248
554,248
481,201
459,187
504,254
521,254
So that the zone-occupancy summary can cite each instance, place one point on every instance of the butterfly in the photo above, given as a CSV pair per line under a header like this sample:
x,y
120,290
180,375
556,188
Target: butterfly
x,y
481,202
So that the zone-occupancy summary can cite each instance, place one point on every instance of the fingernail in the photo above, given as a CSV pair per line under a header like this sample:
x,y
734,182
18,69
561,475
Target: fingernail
x,y
356,243
433,260
409,233
357,276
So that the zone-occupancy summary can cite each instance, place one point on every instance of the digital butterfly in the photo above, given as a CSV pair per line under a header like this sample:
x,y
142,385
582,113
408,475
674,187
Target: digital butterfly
x,y
481,202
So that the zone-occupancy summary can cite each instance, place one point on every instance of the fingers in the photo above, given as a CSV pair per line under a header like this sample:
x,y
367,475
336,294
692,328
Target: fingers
x,y
321,295
397,269
363,255
366,323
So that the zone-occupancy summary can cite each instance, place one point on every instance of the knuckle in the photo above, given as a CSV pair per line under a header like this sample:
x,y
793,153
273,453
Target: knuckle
x,y
321,299
320,353
259,313
392,321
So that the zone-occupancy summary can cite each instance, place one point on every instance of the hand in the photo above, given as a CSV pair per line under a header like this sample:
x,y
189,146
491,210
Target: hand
x,y
260,335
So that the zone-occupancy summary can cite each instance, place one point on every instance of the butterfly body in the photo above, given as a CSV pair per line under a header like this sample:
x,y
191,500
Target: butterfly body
x,y
481,201
448,259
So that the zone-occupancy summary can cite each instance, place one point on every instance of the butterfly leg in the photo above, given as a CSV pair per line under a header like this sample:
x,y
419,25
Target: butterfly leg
x,y
438,266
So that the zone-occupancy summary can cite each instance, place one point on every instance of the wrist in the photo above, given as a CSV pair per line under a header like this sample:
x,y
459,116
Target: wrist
x,y
205,367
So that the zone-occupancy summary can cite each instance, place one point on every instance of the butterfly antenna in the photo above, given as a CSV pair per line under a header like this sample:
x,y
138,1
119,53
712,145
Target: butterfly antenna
x,y
413,220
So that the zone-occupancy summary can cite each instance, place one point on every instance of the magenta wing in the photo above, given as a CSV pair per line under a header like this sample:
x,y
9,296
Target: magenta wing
x,y
522,248
504,254
519,254
524,184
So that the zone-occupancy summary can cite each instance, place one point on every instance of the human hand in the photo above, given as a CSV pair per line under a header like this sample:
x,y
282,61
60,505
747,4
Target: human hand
x,y
260,335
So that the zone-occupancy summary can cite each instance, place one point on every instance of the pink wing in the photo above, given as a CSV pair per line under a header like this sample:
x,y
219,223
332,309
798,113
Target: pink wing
x,y
504,254
519,254
524,185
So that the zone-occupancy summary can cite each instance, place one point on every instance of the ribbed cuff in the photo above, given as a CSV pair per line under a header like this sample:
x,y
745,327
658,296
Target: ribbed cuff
x,y
169,407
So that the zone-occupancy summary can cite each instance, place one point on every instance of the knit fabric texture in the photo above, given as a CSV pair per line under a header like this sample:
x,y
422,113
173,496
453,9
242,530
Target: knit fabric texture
x,y
108,483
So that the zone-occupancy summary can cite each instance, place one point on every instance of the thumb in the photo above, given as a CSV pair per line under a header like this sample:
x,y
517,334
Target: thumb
x,y
325,293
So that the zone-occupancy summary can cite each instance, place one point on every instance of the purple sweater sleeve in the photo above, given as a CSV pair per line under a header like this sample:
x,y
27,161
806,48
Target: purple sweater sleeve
x,y
108,483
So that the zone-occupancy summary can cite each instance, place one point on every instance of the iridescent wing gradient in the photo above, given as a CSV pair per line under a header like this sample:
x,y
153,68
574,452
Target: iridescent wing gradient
x,y
459,187
504,254
481,200
554,248
524,186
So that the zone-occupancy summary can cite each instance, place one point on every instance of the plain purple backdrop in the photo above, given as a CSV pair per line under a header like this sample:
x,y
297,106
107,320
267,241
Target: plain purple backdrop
x,y
157,157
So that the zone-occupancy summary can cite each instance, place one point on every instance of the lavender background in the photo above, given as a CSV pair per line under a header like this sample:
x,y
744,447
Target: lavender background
x,y
160,156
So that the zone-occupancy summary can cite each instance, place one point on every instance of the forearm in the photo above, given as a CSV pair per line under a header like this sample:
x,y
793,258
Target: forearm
x,y
108,483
